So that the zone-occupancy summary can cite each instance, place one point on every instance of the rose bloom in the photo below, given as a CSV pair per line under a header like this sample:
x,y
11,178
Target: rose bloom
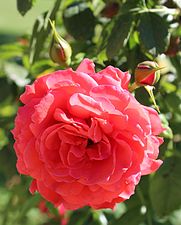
x,y
84,138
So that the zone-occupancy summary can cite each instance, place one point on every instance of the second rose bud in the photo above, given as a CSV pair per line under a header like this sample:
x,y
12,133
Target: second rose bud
x,y
147,73
60,50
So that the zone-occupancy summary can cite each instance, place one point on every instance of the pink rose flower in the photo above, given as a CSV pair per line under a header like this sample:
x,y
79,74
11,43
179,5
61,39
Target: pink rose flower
x,y
84,138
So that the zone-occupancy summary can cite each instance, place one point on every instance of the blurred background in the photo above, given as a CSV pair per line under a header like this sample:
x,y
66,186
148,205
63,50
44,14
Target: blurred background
x,y
121,33
12,24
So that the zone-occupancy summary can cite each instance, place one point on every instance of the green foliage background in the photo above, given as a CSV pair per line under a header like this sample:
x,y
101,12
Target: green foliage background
x,y
120,33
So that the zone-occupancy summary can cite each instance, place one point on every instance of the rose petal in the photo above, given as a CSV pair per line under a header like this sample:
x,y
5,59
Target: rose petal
x,y
118,97
112,76
86,66
155,121
84,106
41,110
31,159
49,194
88,173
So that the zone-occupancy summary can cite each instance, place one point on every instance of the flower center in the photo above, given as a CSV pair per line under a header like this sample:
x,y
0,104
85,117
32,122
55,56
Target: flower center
x,y
89,142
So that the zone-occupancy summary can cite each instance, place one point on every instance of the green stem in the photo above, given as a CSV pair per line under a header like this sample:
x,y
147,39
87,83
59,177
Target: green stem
x,y
143,201
144,3
133,87
161,10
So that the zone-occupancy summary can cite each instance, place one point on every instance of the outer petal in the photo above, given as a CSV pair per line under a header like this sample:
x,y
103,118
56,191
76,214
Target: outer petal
x,y
49,194
33,187
113,76
41,109
31,159
155,121
150,164
86,66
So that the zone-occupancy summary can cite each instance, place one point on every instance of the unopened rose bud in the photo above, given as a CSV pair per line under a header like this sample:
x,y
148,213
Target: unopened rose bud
x,y
147,73
60,50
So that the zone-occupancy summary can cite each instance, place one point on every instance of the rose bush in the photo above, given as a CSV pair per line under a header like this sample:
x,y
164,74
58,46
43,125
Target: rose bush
x,y
84,138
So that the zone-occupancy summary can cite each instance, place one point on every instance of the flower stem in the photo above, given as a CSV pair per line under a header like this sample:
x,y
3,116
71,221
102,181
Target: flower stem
x,y
156,10
133,87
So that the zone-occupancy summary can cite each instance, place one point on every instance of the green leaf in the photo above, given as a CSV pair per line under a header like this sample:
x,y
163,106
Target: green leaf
x,y
40,66
39,34
11,50
99,218
80,216
178,3
24,6
32,201
131,217
167,133
175,217
176,62
79,21
4,197
5,89
119,210
173,101
131,4
7,110
153,31
119,35
3,138
16,73
165,187
102,43
34,217
168,87
52,209
41,30
161,223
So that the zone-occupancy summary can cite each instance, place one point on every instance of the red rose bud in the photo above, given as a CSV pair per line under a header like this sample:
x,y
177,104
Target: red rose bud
x,y
60,50
147,73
